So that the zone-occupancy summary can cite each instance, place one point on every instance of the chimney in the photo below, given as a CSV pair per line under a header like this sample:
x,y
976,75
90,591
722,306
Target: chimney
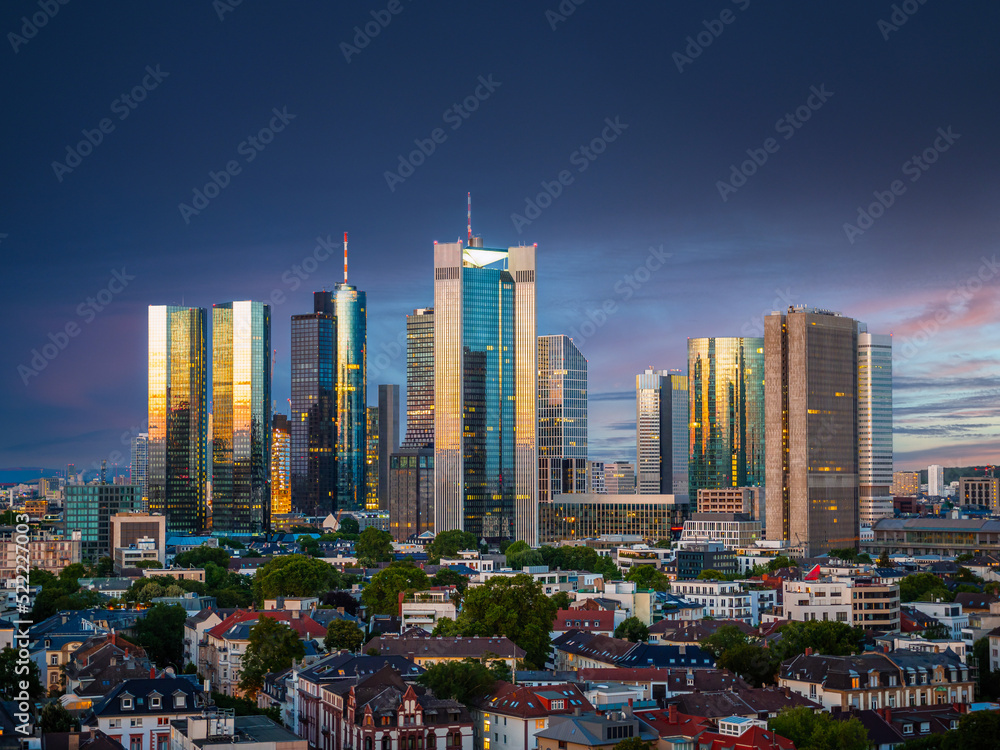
x,y
672,713
788,692
152,673
888,715
73,741
885,648
809,651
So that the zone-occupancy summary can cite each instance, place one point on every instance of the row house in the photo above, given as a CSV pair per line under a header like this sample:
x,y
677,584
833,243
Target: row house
x,y
594,620
101,662
661,683
576,650
195,628
423,649
901,679
722,599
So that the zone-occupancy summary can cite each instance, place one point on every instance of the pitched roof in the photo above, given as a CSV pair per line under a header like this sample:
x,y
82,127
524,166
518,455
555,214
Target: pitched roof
x,y
86,740
343,664
237,626
416,647
535,702
140,691
676,679
970,600
598,619
747,702
693,631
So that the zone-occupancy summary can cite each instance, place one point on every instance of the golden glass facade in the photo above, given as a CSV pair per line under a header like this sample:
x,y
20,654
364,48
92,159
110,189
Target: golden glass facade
x,y
281,479
589,516
241,417
178,416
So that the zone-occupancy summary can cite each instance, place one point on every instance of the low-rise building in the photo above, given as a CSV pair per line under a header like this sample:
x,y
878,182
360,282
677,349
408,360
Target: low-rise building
x,y
948,614
575,651
934,536
722,599
511,717
49,551
695,557
914,642
732,530
856,602
590,620
422,649
592,731
423,609
237,732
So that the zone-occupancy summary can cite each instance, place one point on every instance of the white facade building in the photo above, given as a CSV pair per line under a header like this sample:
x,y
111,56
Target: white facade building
x,y
935,480
874,427
723,600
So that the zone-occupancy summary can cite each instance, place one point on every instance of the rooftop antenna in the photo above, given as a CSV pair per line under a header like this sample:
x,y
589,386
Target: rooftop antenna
x,y
345,257
469,215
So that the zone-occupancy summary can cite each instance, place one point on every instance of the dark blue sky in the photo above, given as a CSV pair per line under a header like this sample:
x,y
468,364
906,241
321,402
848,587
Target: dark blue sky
x,y
779,237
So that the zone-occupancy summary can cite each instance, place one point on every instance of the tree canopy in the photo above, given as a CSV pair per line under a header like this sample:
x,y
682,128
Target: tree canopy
x,y
54,718
632,629
823,637
272,647
976,731
449,543
381,595
465,681
519,555
343,634
62,592
199,556
819,731
924,587
648,577
349,525
10,677
579,558
161,633
373,546
294,575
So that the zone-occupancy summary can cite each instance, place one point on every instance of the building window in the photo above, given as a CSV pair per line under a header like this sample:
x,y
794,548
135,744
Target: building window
x,y
135,743
154,702
180,701
126,704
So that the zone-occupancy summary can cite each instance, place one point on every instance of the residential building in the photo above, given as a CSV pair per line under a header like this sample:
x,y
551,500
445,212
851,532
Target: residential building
x,y
916,642
595,478
619,478
878,680
194,634
811,435
935,480
576,650
411,492
281,466
46,550
695,557
589,516
948,537
994,641
388,439
512,715
592,731
177,457
423,650
423,609
597,621
867,605
733,530
241,417
139,464
637,555
661,433
420,379
874,427
948,614
726,414
980,491
727,600
238,732
905,484
735,733
101,662
692,632
562,418
313,415
89,509
142,550
729,707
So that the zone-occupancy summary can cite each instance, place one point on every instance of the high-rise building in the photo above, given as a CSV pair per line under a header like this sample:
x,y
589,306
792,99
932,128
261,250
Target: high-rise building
x,y
726,413
70,473
313,420
979,491
351,388
420,379
411,492
905,483
388,438
485,391
874,427
177,461
595,478
89,508
661,435
281,466
241,417
140,464
811,442
619,478
935,480
562,418
371,457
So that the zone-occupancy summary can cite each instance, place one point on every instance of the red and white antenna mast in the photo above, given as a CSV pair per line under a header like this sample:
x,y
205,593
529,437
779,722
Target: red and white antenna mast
x,y
345,257
469,215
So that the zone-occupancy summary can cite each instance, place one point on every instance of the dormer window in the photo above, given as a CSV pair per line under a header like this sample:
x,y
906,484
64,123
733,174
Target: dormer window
x,y
126,704
154,701
180,701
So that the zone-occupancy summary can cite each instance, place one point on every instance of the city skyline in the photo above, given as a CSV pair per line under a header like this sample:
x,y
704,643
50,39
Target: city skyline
x,y
680,197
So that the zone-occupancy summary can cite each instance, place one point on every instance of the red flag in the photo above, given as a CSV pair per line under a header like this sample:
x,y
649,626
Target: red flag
x,y
812,575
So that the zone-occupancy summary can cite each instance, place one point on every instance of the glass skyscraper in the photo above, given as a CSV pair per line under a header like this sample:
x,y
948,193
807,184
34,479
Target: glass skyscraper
x,y
313,419
140,464
420,379
178,416
562,418
661,412
241,417
371,457
281,478
485,392
874,427
726,413
350,308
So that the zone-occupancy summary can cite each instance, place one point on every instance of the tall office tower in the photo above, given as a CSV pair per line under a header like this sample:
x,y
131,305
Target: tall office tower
x,y
562,418
661,434
420,379
70,473
935,480
595,478
485,392
905,483
371,457
726,413
281,466
411,493
874,427
388,438
241,417
351,387
619,478
177,468
811,426
313,419
140,464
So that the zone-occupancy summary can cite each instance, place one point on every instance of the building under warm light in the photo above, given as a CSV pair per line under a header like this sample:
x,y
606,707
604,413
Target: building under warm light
x,y
281,478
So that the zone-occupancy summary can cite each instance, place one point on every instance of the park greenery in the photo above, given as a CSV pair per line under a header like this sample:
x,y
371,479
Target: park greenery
x,y
632,629
343,634
466,681
272,647
819,730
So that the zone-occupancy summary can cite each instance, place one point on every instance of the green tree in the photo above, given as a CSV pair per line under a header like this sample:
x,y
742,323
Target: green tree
x,y
449,543
663,544
976,731
515,607
161,633
199,557
150,564
923,587
632,743
55,718
343,634
349,525
823,637
989,681
781,561
466,681
560,600
294,575
819,731
632,629
10,678
381,595
449,577
246,707
373,546
272,647
308,545
105,568
884,561
848,554
723,639
190,668
756,665
930,742
708,574
72,574
936,631
648,577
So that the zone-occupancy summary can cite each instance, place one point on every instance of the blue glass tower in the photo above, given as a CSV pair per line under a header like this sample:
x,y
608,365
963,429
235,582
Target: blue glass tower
x,y
350,307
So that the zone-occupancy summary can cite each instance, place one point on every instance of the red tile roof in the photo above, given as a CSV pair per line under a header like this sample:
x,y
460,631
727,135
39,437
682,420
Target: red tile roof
x,y
583,619
304,625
